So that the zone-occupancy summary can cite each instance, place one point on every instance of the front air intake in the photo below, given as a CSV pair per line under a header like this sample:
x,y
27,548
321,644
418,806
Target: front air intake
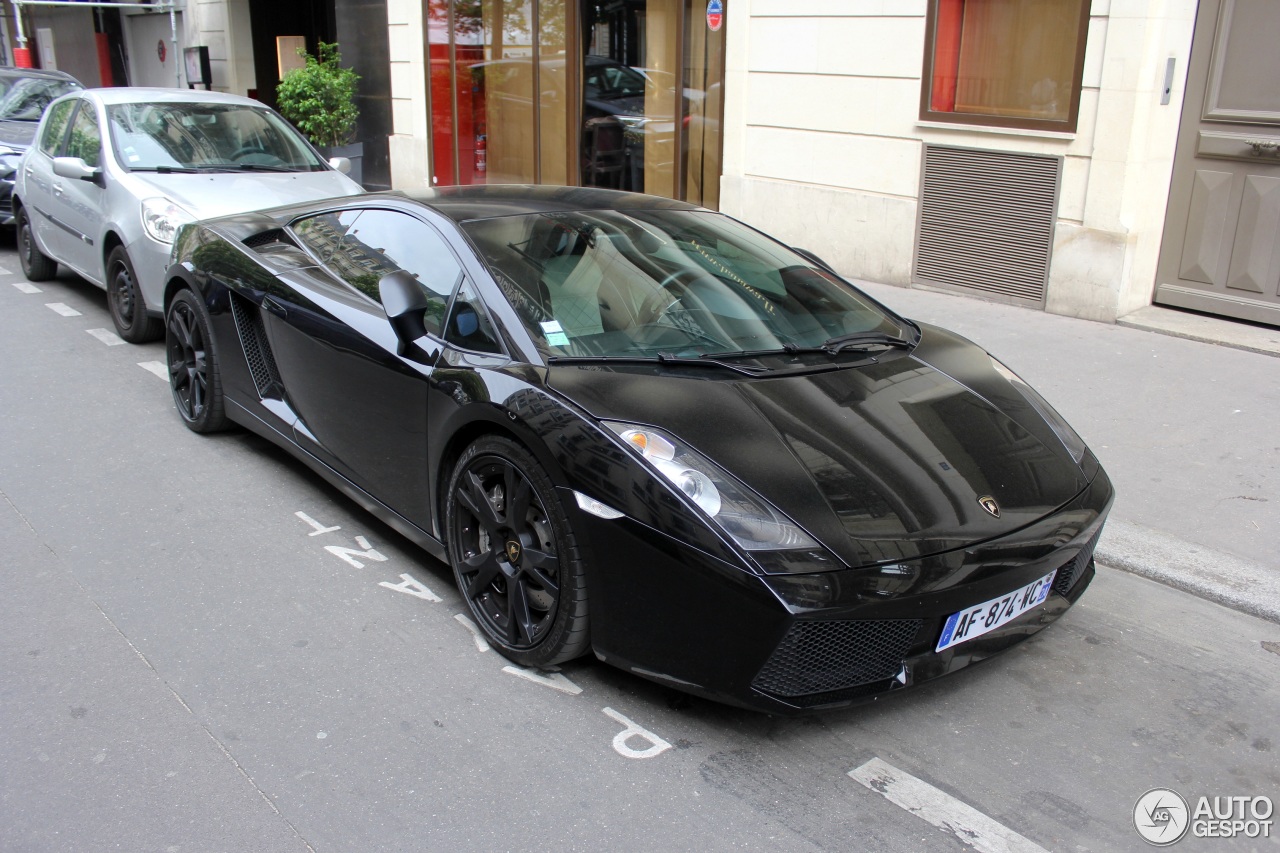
x,y
828,656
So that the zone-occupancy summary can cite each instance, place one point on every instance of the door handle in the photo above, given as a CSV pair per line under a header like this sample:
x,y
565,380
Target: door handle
x,y
57,189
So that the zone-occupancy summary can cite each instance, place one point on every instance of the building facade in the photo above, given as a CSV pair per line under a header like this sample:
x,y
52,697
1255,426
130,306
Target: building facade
x,y
1085,157
1025,151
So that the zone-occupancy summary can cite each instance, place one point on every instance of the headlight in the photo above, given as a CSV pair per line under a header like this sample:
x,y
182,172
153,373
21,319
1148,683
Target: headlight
x,y
749,519
162,219
1070,439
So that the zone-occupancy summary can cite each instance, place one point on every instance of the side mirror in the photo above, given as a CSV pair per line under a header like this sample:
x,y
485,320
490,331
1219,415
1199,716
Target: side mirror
x,y
812,258
342,164
406,304
77,169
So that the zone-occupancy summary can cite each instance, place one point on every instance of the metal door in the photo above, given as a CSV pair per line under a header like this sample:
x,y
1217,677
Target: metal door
x,y
1221,246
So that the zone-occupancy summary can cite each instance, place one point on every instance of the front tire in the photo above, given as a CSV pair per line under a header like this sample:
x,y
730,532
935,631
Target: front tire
x,y
194,374
36,265
514,557
124,299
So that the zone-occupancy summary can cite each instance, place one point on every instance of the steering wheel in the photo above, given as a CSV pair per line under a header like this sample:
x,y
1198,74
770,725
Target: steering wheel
x,y
663,300
249,151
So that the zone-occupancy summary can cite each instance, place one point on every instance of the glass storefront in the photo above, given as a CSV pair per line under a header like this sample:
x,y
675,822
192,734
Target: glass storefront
x,y
624,94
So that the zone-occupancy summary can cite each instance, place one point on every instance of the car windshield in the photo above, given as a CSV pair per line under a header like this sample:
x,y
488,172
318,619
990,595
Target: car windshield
x,y
206,136
24,98
607,80
671,283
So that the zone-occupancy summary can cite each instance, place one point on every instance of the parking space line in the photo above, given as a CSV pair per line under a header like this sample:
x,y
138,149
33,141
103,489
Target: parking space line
x,y
107,336
554,680
63,309
482,645
26,287
944,811
159,368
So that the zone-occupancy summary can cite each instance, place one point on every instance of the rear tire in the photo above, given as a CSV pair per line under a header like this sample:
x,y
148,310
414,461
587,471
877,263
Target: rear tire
x,y
194,373
124,299
514,557
36,265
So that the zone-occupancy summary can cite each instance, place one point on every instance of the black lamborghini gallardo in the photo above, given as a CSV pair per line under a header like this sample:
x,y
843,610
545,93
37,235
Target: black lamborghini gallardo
x,y
644,430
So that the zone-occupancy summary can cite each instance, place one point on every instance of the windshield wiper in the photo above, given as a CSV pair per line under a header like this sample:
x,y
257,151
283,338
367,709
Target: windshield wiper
x,y
864,340
661,358
165,170
258,167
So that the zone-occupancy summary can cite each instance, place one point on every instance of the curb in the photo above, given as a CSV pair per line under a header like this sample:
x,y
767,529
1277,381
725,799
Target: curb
x,y
1239,584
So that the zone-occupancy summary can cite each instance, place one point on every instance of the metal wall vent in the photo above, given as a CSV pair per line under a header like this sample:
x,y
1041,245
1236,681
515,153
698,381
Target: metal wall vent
x,y
986,221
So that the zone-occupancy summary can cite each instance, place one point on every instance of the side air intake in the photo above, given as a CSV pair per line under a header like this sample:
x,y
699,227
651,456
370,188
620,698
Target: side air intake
x,y
257,352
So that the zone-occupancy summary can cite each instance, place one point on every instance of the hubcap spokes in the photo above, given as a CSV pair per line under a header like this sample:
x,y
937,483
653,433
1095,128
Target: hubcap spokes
x,y
188,366
509,567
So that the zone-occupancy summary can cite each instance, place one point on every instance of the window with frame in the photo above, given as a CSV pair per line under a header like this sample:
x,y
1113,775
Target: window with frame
x,y
55,127
1009,63
85,140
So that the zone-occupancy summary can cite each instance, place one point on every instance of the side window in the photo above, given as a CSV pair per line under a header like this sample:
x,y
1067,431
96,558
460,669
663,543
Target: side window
x,y
85,140
55,127
382,241
321,234
469,326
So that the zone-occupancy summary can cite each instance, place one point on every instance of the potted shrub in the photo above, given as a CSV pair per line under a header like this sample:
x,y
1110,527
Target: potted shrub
x,y
319,99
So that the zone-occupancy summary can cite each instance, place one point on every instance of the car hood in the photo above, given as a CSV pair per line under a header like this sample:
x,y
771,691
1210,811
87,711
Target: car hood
x,y
221,193
880,462
17,134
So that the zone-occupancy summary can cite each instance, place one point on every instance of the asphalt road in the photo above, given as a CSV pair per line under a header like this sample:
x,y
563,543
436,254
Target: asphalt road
x,y
203,647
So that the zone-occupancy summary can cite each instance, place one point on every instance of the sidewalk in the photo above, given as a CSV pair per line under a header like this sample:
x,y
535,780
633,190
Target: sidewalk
x,y
1188,430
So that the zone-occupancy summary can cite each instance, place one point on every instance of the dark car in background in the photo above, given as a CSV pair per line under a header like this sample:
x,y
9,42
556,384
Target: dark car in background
x,y
24,94
641,429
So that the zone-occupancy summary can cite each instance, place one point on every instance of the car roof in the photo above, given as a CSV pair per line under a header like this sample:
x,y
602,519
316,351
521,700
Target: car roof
x,y
145,95
486,201
47,74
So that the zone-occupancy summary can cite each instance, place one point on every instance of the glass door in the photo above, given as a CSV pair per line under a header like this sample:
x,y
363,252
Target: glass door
x,y
623,94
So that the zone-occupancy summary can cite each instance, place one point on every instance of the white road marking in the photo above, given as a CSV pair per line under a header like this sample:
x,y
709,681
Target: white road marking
x,y
159,368
658,745
4,271
349,554
107,336
944,811
62,308
320,528
482,645
26,286
410,586
554,680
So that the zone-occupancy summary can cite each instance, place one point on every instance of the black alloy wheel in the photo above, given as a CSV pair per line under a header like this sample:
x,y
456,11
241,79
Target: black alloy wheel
x,y
36,265
514,557
194,376
124,299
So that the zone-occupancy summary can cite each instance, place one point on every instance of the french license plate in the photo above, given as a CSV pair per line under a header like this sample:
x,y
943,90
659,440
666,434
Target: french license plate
x,y
989,615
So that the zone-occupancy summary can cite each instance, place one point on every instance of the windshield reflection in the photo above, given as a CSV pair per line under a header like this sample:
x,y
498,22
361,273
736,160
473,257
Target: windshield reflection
x,y
680,283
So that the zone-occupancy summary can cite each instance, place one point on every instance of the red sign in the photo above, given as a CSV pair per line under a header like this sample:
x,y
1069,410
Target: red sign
x,y
715,15
161,51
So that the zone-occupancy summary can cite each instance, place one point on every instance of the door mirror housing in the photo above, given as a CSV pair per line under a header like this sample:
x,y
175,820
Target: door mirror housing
x,y
342,164
812,258
405,302
77,169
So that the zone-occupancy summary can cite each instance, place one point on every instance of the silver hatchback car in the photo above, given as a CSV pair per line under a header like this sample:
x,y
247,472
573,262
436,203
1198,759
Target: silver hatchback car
x,y
114,173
